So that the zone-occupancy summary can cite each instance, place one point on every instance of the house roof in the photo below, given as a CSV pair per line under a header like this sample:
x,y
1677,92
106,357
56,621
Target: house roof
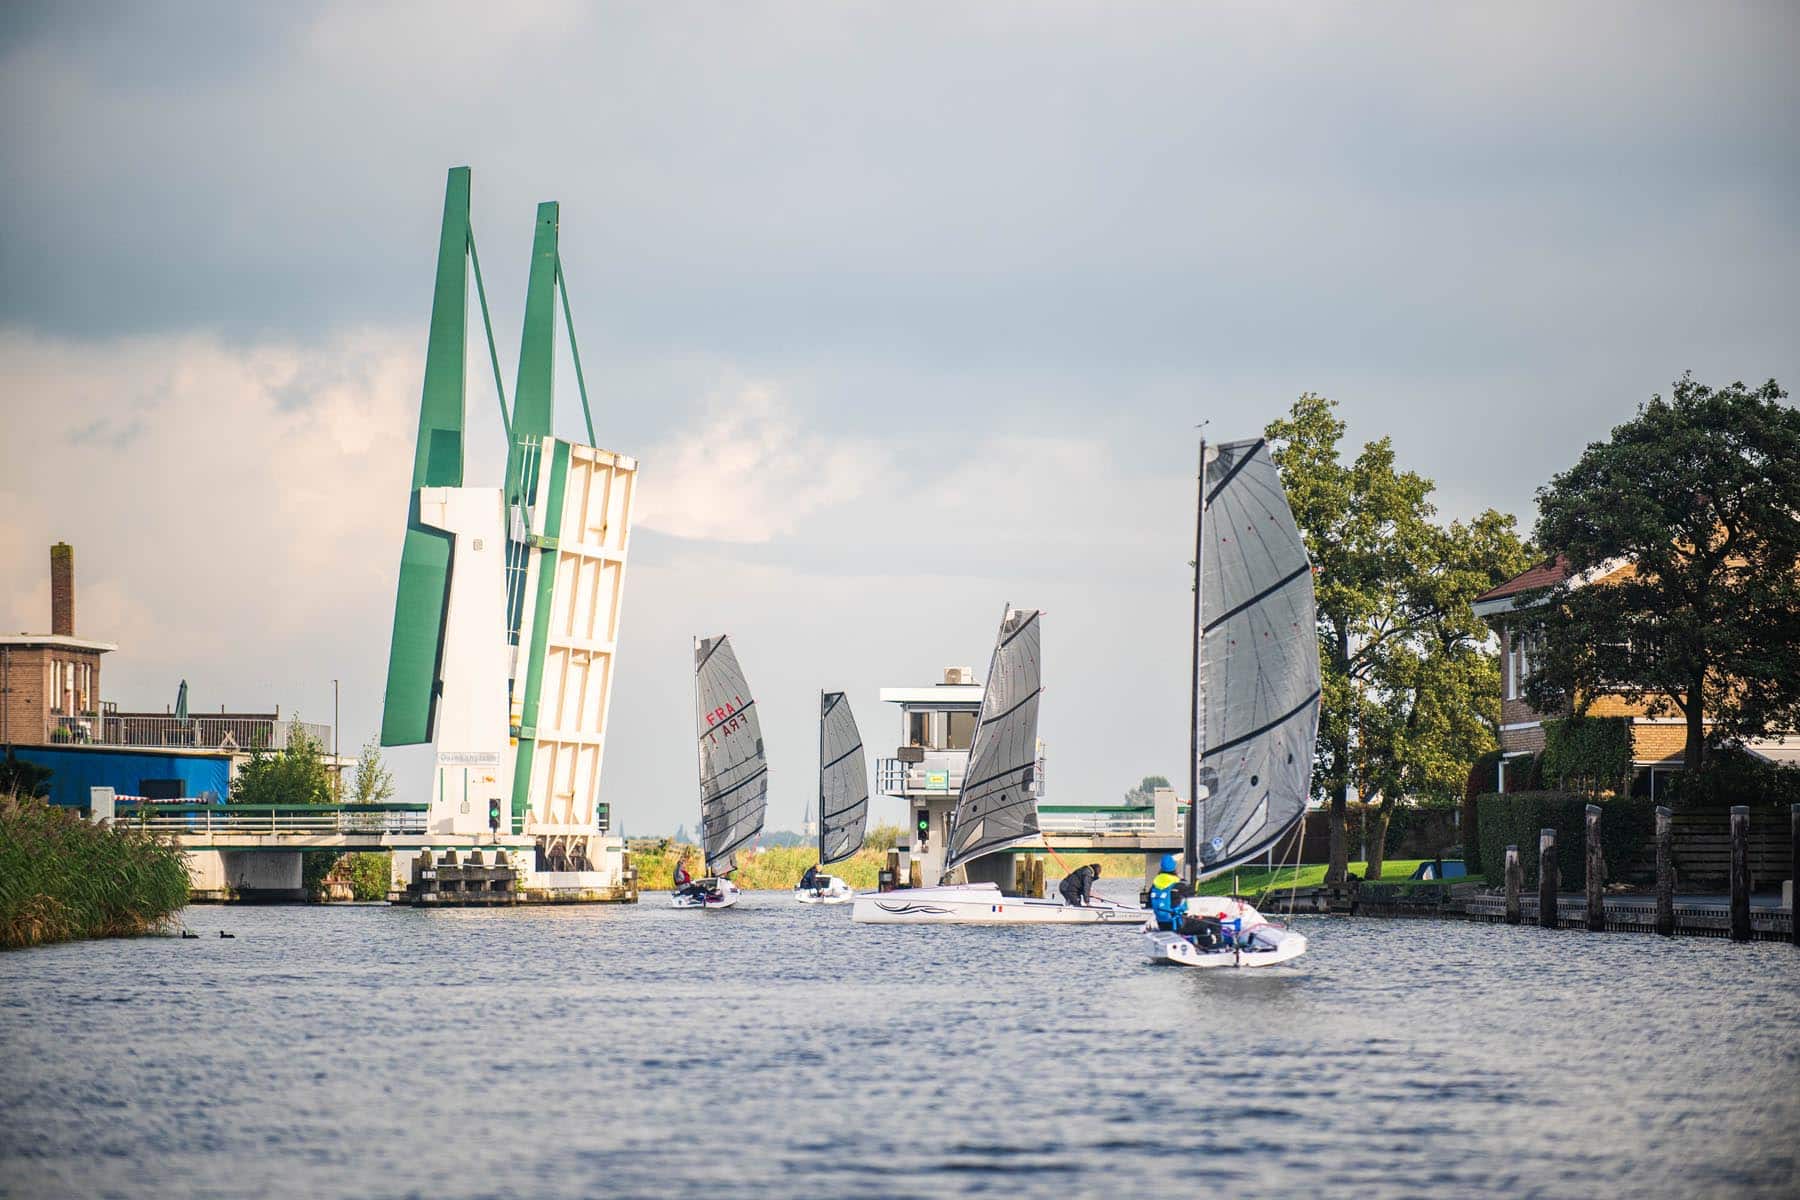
x,y
1544,574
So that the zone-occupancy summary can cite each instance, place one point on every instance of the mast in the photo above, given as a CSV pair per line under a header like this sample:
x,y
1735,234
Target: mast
x,y
700,763
821,809
1191,837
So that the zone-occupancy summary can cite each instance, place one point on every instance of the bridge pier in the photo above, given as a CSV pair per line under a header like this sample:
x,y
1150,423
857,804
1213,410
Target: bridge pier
x,y
245,876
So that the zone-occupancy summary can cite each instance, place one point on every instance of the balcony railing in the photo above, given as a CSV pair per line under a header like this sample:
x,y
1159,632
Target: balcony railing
x,y
895,777
1097,821
178,817
198,732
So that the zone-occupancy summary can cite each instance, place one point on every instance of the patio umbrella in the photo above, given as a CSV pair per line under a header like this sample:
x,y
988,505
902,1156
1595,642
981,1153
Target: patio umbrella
x,y
181,711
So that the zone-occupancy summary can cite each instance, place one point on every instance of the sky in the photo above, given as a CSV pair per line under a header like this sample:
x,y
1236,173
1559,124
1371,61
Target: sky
x,y
908,310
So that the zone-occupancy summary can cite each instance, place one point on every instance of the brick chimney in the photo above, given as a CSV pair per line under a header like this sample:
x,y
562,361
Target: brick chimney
x,y
62,589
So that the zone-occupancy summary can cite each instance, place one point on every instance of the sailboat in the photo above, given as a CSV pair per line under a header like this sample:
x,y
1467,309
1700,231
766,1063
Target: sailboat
x,y
996,808
734,773
1254,711
843,798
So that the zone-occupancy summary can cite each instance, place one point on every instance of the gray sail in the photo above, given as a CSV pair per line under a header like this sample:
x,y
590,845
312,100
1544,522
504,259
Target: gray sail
x,y
1259,660
734,775
843,781
996,807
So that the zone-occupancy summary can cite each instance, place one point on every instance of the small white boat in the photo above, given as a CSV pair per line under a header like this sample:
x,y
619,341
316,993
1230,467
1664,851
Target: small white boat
x,y
985,904
710,894
830,890
843,799
1251,939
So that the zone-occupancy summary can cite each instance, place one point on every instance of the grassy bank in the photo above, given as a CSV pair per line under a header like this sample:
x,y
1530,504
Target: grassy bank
x,y
774,869
62,878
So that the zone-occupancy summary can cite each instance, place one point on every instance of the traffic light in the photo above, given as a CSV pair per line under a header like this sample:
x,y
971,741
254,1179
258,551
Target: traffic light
x,y
494,814
603,818
924,828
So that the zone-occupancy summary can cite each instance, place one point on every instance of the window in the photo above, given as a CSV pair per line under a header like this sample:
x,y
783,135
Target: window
x,y
962,730
918,730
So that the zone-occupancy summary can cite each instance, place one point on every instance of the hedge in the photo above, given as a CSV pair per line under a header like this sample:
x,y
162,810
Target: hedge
x,y
1627,831
1484,778
1592,754
1733,777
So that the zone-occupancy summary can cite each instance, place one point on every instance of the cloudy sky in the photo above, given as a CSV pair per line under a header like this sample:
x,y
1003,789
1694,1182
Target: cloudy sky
x,y
908,309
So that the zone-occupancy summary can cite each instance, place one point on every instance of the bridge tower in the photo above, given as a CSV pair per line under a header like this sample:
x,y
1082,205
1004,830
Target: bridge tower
x,y
506,613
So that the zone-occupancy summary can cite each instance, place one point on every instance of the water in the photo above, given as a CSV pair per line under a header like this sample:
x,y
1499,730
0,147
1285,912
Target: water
x,y
781,1050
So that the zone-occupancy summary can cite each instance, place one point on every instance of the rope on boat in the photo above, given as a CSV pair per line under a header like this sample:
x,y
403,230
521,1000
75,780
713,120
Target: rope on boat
x,y
1294,871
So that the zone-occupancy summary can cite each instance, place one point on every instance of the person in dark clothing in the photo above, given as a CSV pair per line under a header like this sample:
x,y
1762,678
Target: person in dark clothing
x,y
810,881
1077,887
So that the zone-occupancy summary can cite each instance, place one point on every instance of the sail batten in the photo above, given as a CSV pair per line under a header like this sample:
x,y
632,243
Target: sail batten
x,y
843,781
734,771
995,808
1257,676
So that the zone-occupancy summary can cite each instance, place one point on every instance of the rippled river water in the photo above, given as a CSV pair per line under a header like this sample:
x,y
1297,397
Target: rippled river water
x,y
784,1051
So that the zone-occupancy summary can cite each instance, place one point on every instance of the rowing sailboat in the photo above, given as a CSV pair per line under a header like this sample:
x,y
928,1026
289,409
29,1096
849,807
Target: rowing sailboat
x,y
996,808
734,773
1255,701
843,798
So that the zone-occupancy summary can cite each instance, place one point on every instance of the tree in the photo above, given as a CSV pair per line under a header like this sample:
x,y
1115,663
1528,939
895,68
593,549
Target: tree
x,y
20,778
1434,693
1409,694
1145,791
1695,502
296,775
374,782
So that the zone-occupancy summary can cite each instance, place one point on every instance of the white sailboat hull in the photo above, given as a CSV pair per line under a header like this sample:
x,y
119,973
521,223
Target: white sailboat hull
x,y
984,904
722,894
1260,943
834,891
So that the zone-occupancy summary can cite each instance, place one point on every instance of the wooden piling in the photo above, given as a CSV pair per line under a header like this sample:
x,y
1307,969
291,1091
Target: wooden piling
x,y
1547,878
1665,871
1515,882
1596,872
1740,873
1794,873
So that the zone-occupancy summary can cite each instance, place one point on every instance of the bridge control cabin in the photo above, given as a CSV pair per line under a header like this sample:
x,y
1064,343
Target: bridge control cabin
x,y
937,726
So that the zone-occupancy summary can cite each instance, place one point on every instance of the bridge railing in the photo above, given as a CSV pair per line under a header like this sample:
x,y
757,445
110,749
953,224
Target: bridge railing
x,y
1075,819
297,820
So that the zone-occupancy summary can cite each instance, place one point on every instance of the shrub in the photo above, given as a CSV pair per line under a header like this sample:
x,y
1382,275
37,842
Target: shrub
x,y
1627,830
63,878
1734,777
1589,754
1484,778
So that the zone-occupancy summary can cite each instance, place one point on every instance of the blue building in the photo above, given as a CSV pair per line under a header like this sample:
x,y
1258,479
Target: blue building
x,y
154,773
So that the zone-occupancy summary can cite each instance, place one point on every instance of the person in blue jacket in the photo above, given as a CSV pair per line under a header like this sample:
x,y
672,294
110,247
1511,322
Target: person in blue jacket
x,y
1168,895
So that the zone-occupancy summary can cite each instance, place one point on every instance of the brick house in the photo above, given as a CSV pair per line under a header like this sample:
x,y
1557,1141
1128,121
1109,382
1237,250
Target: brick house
x,y
1658,743
51,681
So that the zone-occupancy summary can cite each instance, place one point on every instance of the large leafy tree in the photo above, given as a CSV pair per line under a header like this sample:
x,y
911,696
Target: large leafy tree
x,y
296,775
1410,693
1689,516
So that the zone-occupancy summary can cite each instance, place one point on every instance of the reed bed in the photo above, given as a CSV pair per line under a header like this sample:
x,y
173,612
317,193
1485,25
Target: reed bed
x,y
63,878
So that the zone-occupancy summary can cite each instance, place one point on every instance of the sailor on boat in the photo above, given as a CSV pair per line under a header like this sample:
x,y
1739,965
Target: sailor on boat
x,y
1077,887
809,881
684,879
1168,895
